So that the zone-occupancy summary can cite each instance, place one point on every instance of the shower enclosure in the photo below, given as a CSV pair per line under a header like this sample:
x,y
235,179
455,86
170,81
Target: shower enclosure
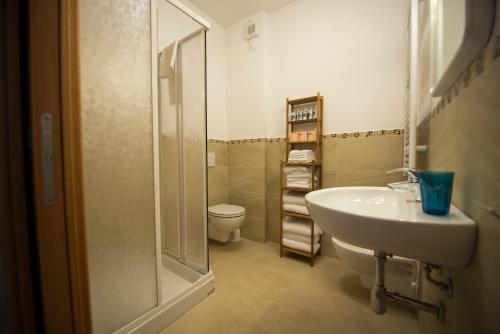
x,y
143,81
182,147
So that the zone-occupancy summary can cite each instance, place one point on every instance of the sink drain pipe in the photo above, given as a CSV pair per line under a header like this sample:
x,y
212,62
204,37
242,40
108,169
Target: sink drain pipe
x,y
379,294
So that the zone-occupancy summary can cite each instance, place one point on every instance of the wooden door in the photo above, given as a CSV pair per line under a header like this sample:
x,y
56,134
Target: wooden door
x,y
57,165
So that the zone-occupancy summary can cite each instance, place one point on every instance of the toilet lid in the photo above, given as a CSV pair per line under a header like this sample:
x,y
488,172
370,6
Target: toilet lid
x,y
226,210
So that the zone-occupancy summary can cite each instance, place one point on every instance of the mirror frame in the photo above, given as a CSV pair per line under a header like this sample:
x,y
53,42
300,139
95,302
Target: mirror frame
x,y
479,19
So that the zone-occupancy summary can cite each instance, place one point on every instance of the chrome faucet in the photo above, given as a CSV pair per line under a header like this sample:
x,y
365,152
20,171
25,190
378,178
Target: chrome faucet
x,y
410,185
412,176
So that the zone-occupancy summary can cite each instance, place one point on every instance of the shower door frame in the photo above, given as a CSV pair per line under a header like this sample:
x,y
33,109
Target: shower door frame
x,y
156,133
183,230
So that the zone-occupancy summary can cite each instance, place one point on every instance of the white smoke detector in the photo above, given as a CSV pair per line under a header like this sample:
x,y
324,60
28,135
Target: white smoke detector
x,y
249,30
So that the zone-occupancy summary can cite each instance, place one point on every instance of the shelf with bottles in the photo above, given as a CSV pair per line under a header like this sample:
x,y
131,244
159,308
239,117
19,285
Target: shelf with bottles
x,y
301,172
303,113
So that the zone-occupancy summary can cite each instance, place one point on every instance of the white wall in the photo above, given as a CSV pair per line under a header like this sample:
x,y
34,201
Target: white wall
x,y
353,52
216,66
246,113
216,85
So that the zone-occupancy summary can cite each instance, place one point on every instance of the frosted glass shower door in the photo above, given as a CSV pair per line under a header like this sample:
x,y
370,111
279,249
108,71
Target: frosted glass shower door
x,y
191,65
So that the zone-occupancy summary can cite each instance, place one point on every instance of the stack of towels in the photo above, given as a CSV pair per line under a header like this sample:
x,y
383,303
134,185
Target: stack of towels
x,y
302,155
297,234
295,202
298,177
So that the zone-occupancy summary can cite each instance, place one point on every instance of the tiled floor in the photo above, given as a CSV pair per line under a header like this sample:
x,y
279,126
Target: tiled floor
x,y
259,292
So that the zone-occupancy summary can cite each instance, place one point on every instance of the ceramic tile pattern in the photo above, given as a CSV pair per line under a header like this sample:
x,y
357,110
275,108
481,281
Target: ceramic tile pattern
x,y
348,160
256,291
276,153
247,184
463,137
218,176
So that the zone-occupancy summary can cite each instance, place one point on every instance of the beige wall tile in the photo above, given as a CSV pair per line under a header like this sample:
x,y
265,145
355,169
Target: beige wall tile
x,y
330,153
254,175
218,175
217,194
329,178
275,156
247,155
274,180
347,178
275,153
446,145
372,153
220,150
254,228
247,179
273,218
464,137
479,121
254,203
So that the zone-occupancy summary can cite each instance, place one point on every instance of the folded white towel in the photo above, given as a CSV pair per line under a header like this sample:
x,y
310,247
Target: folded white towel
x,y
301,155
301,152
300,245
299,184
305,176
290,170
302,209
301,238
300,226
166,64
294,198
301,159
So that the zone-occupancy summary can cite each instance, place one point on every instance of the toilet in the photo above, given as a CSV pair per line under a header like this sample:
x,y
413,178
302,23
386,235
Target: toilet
x,y
401,274
224,221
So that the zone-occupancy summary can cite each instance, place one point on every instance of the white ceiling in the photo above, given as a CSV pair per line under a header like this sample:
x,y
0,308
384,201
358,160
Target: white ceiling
x,y
227,12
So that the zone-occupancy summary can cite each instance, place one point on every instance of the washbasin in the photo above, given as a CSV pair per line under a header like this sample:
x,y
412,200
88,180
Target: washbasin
x,y
391,221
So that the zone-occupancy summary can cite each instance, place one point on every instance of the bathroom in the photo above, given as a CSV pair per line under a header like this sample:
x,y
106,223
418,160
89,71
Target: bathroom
x,y
199,120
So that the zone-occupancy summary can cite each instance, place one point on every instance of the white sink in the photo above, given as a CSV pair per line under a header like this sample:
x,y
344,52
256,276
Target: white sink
x,y
391,221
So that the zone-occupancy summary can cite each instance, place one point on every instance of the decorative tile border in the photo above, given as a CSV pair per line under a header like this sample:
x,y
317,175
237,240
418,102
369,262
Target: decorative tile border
x,y
250,140
216,141
486,57
344,135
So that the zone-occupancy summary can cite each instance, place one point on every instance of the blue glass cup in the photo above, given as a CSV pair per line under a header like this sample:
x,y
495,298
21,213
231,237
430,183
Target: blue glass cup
x,y
435,190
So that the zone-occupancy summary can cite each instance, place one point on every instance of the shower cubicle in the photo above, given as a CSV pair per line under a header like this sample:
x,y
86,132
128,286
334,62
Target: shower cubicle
x,y
144,131
181,146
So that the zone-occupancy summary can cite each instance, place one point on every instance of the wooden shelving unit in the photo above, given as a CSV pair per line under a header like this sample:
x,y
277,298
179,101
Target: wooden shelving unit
x,y
315,166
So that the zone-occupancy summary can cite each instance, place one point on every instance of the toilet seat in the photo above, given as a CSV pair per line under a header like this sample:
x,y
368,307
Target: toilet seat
x,y
226,211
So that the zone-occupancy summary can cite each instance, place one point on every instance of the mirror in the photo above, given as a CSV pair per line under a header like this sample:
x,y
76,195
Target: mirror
x,y
460,30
